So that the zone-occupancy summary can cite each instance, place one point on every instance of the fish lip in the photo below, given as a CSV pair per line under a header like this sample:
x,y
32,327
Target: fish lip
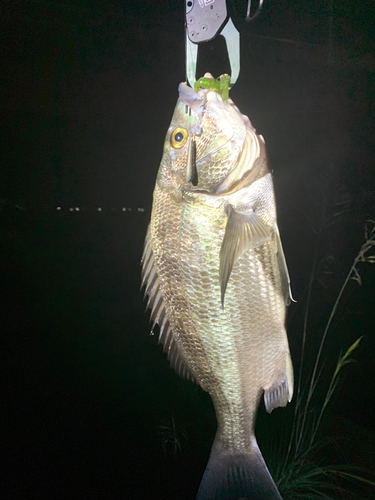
x,y
193,99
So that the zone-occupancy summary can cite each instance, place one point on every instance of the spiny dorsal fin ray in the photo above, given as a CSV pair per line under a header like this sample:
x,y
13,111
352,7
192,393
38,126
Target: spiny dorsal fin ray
x,y
159,315
244,231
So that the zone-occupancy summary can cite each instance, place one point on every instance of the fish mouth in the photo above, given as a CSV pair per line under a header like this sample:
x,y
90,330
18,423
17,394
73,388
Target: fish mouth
x,y
193,99
250,160
197,99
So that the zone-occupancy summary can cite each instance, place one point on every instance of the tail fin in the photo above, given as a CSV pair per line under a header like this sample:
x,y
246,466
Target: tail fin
x,y
237,477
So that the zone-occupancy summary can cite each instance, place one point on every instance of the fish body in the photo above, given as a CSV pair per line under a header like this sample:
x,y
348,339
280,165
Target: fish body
x,y
218,286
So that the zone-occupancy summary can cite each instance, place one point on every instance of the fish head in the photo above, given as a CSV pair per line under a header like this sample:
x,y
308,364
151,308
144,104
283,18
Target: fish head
x,y
209,135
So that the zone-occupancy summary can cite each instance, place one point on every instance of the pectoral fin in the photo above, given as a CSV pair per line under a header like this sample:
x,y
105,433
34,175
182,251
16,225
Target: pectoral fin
x,y
284,274
244,231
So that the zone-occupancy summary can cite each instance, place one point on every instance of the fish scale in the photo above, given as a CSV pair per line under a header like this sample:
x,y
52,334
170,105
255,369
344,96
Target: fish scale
x,y
169,269
248,320
220,284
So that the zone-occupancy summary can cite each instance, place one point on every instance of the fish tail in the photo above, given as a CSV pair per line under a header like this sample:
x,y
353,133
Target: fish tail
x,y
237,477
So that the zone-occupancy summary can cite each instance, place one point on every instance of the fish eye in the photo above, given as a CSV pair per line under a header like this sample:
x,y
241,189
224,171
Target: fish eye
x,y
178,137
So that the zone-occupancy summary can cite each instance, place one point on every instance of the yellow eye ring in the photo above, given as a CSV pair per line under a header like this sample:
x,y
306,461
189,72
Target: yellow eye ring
x,y
178,137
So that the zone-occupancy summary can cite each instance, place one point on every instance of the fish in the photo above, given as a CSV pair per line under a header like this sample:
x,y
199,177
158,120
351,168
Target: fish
x,y
217,283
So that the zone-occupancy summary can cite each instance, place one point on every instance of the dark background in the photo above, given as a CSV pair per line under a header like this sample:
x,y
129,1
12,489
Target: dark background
x,y
88,90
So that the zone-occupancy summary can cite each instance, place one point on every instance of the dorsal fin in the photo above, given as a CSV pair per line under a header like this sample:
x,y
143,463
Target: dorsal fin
x,y
159,315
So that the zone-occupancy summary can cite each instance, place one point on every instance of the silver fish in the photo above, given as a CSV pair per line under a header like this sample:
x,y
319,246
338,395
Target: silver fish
x,y
217,282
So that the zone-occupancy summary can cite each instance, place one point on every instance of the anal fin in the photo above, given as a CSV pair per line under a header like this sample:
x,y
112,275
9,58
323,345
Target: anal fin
x,y
281,391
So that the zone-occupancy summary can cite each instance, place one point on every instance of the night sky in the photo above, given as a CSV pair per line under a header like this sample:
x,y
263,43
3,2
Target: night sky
x,y
88,90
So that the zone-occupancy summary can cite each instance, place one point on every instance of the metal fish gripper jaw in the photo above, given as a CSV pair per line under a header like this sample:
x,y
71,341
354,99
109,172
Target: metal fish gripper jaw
x,y
204,20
